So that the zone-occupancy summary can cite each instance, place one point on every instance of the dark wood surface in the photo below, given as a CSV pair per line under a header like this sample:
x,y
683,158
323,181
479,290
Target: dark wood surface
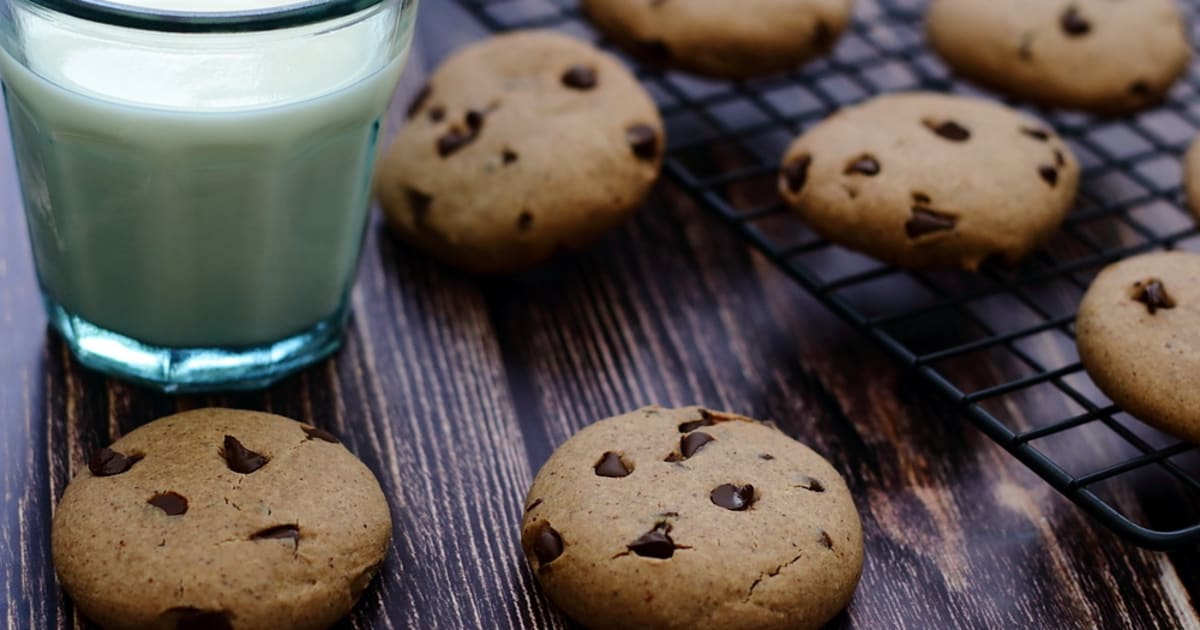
x,y
455,389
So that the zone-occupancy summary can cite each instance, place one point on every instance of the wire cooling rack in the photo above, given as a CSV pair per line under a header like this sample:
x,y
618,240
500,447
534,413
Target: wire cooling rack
x,y
1035,400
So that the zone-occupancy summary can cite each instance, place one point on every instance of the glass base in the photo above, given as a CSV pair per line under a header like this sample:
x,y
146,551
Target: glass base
x,y
192,370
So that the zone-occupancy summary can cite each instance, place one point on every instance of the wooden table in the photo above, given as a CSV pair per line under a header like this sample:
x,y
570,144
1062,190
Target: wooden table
x,y
454,390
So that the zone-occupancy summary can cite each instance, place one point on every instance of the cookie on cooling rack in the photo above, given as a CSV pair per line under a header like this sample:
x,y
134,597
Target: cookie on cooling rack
x,y
689,518
1109,57
733,40
220,520
521,146
1139,338
925,180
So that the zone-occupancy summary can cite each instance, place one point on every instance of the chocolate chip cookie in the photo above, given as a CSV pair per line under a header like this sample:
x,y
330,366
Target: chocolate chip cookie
x,y
1109,56
1139,338
520,147
221,520
928,180
733,40
690,518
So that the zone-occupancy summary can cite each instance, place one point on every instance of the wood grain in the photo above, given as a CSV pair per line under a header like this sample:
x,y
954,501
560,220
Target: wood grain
x,y
454,390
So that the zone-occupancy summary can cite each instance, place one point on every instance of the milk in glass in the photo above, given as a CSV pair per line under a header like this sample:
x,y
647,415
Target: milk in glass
x,y
200,191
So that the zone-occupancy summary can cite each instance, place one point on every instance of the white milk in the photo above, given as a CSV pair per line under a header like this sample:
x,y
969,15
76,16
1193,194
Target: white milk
x,y
199,199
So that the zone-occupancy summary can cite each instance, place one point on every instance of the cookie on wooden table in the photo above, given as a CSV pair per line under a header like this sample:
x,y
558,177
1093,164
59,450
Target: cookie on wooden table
x,y
689,518
520,147
1139,338
733,40
929,180
1108,56
218,519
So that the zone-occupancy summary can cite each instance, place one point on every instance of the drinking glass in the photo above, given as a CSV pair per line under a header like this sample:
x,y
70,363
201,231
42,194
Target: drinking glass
x,y
196,175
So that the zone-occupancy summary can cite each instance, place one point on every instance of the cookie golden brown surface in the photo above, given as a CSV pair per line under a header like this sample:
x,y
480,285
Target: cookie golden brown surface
x,y
220,519
521,146
690,518
1138,334
929,180
1112,57
734,40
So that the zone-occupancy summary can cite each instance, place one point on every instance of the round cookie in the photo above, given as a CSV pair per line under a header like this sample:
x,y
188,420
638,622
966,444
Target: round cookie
x,y
925,180
689,518
734,40
222,520
521,146
1106,56
1138,334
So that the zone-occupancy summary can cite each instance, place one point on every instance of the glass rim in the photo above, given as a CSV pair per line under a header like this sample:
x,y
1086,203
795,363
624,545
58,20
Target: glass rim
x,y
266,19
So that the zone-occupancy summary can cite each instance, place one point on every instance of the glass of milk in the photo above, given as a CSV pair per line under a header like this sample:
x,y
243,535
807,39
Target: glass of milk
x,y
196,174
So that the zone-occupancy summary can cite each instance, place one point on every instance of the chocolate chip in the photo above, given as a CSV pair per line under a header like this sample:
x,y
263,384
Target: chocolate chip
x,y
173,503
532,506
475,118
314,433
1049,174
1073,23
107,462
810,484
548,545
1059,158
825,540
509,156
241,459
692,442
865,165
706,420
454,140
655,543
437,113
525,221
611,465
643,140
921,198
419,101
1036,134
580,77
196,619
731,497
1140,89
766,457
795,174
279,532
1153,294
949,130
457,138
926,221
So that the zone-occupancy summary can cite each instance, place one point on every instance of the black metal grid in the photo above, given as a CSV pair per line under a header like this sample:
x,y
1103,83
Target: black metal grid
x,y
725,143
